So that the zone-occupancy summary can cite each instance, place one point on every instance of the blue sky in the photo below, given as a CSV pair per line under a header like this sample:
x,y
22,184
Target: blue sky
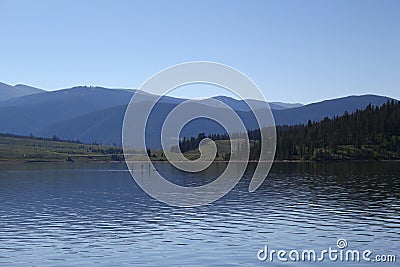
x,y
295,51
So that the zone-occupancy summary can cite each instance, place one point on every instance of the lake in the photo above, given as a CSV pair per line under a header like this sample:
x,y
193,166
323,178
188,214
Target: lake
x,y
95,214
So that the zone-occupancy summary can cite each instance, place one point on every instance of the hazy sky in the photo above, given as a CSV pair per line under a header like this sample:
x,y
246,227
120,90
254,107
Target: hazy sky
x,y
296,51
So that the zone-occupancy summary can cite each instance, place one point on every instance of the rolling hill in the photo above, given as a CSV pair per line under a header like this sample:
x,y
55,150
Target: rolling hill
x,y
105,126
9,91
29,114
95,114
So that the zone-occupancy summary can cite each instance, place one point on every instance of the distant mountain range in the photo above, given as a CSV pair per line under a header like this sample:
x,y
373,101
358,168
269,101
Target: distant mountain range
x,y
95,114
9,91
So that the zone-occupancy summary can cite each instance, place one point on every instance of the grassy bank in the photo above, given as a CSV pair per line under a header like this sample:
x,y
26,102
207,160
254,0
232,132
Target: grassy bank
x,y
31,149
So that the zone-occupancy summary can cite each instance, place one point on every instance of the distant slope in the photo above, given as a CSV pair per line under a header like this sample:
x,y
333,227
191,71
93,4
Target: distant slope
x,y
9,91
281,105
327,108
96,113
28,114
99,96
242,106
34,113
105,126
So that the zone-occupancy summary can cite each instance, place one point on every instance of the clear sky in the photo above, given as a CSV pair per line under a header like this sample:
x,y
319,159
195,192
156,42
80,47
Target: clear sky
x,y
296,51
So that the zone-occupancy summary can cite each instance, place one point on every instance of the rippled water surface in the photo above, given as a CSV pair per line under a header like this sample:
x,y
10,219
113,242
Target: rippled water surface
x,y
95,214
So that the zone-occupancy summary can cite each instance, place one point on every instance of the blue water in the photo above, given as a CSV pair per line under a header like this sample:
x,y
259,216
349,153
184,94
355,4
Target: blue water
x,y
95,214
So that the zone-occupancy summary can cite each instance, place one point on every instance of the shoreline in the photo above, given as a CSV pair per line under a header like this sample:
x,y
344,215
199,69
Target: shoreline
x,y
5,162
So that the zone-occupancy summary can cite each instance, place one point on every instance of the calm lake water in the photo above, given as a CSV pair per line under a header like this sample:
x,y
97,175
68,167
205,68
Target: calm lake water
x,y
95,214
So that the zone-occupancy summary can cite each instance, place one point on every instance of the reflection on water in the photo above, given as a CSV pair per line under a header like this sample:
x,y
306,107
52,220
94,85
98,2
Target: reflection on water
x,y
96,214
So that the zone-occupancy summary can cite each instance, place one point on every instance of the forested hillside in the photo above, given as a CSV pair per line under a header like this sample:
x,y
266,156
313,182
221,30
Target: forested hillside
x,y
372,133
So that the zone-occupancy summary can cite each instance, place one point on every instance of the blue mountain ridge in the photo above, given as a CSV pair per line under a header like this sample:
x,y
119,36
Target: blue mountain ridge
x,y
95,114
